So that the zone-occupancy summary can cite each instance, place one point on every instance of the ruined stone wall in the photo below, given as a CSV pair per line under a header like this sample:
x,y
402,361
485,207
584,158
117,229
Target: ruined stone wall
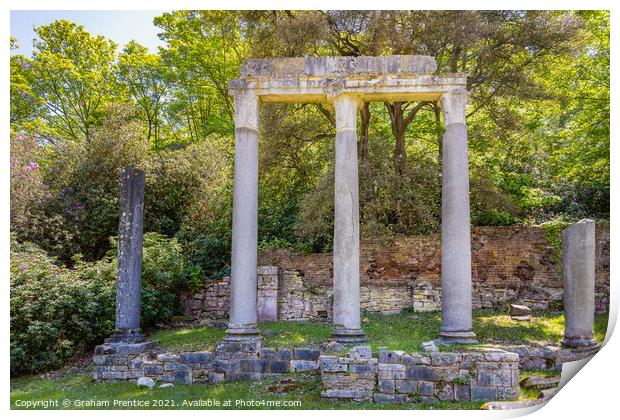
x,y
514,264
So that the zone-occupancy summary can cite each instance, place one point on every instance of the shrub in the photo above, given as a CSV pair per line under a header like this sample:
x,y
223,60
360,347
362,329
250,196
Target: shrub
x,y
57,312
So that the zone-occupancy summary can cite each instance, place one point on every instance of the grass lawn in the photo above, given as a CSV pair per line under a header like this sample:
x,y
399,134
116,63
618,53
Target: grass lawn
x,y
78,386
405,331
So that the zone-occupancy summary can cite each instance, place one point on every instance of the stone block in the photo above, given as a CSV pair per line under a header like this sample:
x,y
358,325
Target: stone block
x,y
386,386
360,352
152,370
306,354
421,373
390,398
483,393
461,392
268,354
414,359
339,393
389,356
285,354
249,365
102,360
445,392
405,387
507,393
445,359
303,365
216,378
196,357
279,366
426,388
135,363
486,378
267,270
113,375
331,364
245,376
362,368
519,310
168,357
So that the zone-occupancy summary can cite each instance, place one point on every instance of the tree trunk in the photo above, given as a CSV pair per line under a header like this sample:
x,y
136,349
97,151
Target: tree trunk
x,y
365,165
440,130
398,131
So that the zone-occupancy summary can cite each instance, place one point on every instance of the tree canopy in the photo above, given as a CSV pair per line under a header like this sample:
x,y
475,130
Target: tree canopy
x,y
83,107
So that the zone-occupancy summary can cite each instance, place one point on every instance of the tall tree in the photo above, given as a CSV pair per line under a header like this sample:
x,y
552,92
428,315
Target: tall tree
x,y
204,51
142,74
72,74
24,104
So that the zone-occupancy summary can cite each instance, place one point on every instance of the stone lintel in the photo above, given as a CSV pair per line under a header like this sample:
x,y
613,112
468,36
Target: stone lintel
x,y
340,66
319,89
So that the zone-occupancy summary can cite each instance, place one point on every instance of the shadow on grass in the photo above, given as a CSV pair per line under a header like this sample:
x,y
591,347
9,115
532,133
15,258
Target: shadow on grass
x,y
404,331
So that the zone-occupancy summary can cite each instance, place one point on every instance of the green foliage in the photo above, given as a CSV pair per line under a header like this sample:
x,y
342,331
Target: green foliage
x,y
553,231
56,312
538,128
73,76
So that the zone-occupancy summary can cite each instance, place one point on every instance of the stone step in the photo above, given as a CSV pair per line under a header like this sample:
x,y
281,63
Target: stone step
x,y
547,393
540,382
512,405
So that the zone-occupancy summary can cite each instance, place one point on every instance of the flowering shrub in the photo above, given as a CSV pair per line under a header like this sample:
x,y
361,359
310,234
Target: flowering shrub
x,y
57,312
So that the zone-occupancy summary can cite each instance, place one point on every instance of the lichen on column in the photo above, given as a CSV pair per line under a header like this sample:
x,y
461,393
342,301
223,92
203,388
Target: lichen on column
x,y
347,323
456,299
243,315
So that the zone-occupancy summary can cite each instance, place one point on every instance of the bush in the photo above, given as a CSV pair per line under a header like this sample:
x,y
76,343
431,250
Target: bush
x,y
57,312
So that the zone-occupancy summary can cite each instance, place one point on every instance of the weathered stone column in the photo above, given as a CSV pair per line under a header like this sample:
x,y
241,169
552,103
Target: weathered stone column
x,y
347,322
456,316
578,258
129,274
243,315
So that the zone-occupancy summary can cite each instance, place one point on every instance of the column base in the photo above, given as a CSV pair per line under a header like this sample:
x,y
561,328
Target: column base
x,y
578,342
242,333
348,335
125,335
456,337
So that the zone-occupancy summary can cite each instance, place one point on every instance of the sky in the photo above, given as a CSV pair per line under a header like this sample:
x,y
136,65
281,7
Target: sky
x,y
120,26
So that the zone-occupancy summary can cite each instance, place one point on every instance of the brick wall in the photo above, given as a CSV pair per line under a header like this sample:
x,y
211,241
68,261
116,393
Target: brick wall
x,y
514,264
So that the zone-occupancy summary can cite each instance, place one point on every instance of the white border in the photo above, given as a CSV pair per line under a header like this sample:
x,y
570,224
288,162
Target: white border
x,y
591,394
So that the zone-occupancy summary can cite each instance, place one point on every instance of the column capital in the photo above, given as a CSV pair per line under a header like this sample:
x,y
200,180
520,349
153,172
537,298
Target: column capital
x,y
453,104
346,97
246,111
346,106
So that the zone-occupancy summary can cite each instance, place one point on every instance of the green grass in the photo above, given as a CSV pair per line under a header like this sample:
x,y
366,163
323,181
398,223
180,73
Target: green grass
x,y
405,331
532,394
75,386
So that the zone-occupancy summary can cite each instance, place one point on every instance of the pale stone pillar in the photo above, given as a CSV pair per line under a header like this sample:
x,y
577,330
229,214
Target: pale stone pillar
x,y
456,316
243,315
347,322
578,258
129,256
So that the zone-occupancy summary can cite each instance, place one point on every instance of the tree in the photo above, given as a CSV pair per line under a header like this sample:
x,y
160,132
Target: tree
x,y
72,75
24,103
142,74
204,51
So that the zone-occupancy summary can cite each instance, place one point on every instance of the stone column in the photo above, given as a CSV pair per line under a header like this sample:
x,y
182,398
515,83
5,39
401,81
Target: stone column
x,y
129,274
578,258
243,315
456,316
347,322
